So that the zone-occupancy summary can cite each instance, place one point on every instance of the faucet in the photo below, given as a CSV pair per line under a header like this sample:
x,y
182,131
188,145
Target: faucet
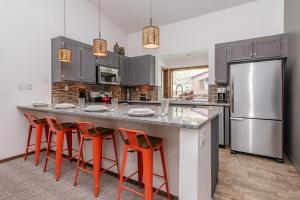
x,y
176,92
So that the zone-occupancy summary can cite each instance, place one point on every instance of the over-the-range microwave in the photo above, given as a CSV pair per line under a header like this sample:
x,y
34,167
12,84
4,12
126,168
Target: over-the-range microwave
x,y
108,75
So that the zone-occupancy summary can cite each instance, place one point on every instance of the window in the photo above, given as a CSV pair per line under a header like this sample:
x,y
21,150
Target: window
x,y
186,83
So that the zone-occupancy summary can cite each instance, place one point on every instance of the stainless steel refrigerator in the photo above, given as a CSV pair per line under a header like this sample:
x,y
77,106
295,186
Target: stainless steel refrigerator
x,y
257,108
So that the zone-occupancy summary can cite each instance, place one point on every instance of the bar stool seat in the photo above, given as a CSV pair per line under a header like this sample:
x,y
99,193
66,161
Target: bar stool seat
x,y
101,130
154,141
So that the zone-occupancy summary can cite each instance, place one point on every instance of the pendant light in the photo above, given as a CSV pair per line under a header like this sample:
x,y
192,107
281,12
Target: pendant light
x,y
99,45
151,34
64,54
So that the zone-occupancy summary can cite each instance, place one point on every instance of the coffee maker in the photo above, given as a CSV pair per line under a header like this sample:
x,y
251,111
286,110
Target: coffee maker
x,y
221,95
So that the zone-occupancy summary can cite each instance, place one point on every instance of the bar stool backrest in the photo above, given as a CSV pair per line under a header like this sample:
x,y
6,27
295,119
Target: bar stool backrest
x,y
130,137
32,119
86,127
54,126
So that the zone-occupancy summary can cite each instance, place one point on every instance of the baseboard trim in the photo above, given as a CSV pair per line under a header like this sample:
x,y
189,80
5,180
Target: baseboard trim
x,y
292,160
17,156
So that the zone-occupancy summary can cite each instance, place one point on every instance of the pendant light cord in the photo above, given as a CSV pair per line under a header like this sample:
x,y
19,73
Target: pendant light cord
x,y
99,20
64,17
150,12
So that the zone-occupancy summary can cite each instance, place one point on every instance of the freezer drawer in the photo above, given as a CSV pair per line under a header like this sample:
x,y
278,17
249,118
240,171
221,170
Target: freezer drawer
x,y
261,137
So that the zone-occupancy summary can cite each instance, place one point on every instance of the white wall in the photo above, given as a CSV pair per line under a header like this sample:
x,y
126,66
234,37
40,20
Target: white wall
x,y
259,18
26,30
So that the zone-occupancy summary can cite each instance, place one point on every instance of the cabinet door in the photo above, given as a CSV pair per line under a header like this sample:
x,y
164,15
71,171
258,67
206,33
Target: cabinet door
x,y
56,66
221,68
239,51
124,70
71,71
267,47
113,60
87,64
102,60
142,70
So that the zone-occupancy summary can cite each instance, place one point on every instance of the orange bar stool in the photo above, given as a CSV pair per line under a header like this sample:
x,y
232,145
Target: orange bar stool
x,y
38,125
60,130
97,135
145,146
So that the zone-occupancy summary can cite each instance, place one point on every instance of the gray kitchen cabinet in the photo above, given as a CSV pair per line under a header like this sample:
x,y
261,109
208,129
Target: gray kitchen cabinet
x,y
71,71
82,67
268,47
141,70
221,66
263,48
111,60
240,51
102,60
124,70
88,64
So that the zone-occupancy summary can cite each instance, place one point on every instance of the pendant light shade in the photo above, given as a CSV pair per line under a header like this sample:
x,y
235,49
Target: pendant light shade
x,y
151,34
150,37
64,54
99,45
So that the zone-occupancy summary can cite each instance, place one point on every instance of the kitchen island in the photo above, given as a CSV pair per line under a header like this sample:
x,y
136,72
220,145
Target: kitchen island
x,y
190,138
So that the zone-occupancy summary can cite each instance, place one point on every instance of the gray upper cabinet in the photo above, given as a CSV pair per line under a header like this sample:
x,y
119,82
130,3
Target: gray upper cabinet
x,y
82,67
103,60
113,60
239,51
264,48
141,70
71,71
124,70
268,47
88,64
221,68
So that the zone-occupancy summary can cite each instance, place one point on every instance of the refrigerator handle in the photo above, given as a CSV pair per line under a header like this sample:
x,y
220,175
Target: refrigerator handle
x,y
237,119
232,94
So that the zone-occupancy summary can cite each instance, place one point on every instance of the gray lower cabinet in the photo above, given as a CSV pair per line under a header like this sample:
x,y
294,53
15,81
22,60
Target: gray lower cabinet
x,y
82,67
221,66
141,70
239,51
124,70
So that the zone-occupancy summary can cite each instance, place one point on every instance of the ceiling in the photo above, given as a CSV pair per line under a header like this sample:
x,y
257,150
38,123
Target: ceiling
x,y
133,15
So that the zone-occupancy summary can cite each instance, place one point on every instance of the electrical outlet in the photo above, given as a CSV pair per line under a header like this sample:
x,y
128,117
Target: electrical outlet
x,y
66,88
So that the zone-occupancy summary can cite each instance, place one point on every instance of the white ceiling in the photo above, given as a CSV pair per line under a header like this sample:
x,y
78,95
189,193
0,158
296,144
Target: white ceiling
x,y
133,15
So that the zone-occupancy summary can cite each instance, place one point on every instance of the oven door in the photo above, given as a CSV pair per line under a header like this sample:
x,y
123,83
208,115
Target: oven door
x,y
107,75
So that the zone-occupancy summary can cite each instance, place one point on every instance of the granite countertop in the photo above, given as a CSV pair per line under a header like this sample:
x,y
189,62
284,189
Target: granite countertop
x,y
181,117
179,102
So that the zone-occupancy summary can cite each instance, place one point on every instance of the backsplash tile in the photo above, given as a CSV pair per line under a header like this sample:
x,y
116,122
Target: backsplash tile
x,y
71,95
213,93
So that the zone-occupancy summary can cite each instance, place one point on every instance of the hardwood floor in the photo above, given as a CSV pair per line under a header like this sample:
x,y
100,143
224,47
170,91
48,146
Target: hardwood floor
x,y
245,177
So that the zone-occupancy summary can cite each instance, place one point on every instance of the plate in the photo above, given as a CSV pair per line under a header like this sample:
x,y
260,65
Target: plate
x,y
145,114
96,108
64,105
40,104
140,110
